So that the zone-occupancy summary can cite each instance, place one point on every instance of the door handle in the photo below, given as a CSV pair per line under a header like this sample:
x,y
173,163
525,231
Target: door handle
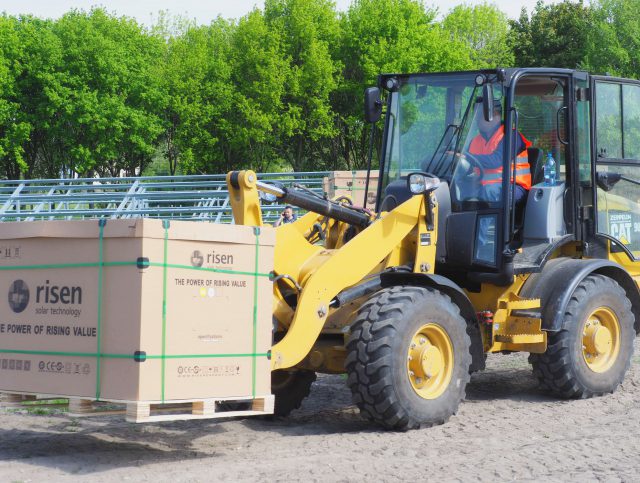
x,y
562,141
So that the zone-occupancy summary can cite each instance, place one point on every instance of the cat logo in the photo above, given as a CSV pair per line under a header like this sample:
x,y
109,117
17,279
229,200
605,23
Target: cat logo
x,y
620,225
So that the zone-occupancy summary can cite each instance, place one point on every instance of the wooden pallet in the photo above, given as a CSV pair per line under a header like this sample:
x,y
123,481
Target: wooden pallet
x,y
146,412
16,401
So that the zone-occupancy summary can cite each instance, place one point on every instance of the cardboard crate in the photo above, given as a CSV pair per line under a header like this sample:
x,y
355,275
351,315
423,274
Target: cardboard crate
x,y
135,310
352,184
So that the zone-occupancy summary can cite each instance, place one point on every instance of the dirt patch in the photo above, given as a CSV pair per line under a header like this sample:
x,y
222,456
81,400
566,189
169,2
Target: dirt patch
x,y
507,429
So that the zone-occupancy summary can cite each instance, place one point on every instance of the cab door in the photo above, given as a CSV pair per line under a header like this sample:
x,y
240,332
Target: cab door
x,y
616,112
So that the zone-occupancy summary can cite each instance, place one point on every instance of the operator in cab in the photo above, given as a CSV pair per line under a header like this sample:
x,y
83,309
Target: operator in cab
x,y
484,156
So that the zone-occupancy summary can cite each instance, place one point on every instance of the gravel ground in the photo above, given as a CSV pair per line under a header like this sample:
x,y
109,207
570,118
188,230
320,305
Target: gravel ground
x,y
507,429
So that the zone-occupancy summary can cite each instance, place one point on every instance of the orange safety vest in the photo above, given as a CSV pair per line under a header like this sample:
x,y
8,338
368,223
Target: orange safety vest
x,y
494,175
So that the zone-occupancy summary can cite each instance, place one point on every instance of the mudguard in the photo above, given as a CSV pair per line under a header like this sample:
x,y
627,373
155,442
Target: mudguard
x,y
555,284
457,295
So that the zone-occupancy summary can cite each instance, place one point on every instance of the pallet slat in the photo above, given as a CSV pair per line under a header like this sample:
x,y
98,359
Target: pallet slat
x,y
143,412
13,401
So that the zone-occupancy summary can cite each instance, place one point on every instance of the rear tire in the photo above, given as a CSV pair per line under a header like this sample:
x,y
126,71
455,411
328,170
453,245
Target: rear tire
x,y
408,358
290,388
592,354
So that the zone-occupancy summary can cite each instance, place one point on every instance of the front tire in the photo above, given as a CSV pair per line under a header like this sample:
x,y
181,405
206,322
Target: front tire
x,y
408,358
592,354
290,388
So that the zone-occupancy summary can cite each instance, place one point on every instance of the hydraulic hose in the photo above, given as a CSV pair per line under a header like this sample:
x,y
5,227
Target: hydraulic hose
x,y
316,204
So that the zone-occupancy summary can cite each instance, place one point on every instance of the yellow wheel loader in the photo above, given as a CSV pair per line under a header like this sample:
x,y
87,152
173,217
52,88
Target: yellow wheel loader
x,y
459,257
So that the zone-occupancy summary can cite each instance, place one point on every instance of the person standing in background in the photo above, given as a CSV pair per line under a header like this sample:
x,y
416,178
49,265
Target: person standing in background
x,y
287,216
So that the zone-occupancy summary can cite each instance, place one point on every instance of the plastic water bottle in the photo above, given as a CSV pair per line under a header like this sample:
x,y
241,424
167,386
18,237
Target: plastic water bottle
x,y
550,173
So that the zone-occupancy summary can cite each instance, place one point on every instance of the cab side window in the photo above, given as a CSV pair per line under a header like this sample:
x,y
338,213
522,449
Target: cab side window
x,y
540,101
617,115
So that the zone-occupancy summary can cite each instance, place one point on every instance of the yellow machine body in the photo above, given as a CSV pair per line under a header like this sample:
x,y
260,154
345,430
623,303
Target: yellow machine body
x,y
324,270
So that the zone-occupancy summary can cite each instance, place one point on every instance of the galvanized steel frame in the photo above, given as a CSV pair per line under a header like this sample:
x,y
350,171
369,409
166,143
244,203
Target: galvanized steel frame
x,y
198,197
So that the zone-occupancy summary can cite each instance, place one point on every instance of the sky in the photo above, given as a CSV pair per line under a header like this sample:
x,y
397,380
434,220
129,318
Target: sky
x,y
203,11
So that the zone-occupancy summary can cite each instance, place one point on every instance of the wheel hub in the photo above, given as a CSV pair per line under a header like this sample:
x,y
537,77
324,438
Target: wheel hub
x,y
598,339
601,339
430,361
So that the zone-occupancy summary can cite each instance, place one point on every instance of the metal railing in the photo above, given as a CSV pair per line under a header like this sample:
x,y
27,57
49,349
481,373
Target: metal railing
x,y
202,197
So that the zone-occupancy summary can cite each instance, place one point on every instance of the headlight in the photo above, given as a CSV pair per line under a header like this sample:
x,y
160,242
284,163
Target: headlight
x,y
420,183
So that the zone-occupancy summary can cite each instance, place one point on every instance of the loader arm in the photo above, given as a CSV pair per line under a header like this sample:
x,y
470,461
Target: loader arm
x,y
324,273
345,267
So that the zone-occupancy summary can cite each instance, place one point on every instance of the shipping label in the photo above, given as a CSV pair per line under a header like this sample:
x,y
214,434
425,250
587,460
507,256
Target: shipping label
x,y
15,365
208,370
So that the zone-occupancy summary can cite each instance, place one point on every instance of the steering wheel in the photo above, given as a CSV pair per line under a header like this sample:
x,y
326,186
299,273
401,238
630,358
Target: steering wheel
x,y
466,180
475,165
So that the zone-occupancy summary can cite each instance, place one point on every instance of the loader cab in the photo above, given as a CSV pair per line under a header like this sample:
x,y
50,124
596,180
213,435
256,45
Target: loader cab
x,y
491,227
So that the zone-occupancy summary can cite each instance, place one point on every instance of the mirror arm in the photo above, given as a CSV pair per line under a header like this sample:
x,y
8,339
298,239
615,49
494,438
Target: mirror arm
x,y
366,186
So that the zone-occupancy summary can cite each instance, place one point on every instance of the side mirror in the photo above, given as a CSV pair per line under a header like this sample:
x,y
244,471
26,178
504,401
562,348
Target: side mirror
x,y
487,102
607,180
420,183
372,105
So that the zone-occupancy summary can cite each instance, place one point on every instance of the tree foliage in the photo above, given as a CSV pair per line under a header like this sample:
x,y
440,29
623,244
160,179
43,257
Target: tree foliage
x,y
484,30
556,35
615,38
278,89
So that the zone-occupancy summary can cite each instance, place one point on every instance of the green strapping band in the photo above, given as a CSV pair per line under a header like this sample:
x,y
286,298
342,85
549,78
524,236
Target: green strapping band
x,y
353,182
128,356
101,223
350,188
127,263
255,313
205,269
165,225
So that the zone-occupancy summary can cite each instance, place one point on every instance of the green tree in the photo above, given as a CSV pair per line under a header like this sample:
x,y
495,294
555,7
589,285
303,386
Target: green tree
x,y
380,36
485,30
556,35
34,149
109,99
259,73
307,29
14,128
197,83
614,45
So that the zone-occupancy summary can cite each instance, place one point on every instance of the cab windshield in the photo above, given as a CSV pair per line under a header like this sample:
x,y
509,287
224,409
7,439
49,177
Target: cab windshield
x,y
431,122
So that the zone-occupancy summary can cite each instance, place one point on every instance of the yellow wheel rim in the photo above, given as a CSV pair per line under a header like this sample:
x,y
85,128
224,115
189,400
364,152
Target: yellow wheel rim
x,y
430,361
601,339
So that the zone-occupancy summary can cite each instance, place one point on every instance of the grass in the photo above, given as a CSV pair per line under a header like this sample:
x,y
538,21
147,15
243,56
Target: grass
x,y
42,407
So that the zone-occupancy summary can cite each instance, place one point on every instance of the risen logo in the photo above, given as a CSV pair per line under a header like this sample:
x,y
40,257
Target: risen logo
x,y
18,296
219,258
53,294
212,258
197,259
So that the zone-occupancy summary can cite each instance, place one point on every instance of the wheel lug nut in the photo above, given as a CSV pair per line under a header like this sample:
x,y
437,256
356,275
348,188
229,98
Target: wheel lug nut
x,y
409,358
423,340
413,346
